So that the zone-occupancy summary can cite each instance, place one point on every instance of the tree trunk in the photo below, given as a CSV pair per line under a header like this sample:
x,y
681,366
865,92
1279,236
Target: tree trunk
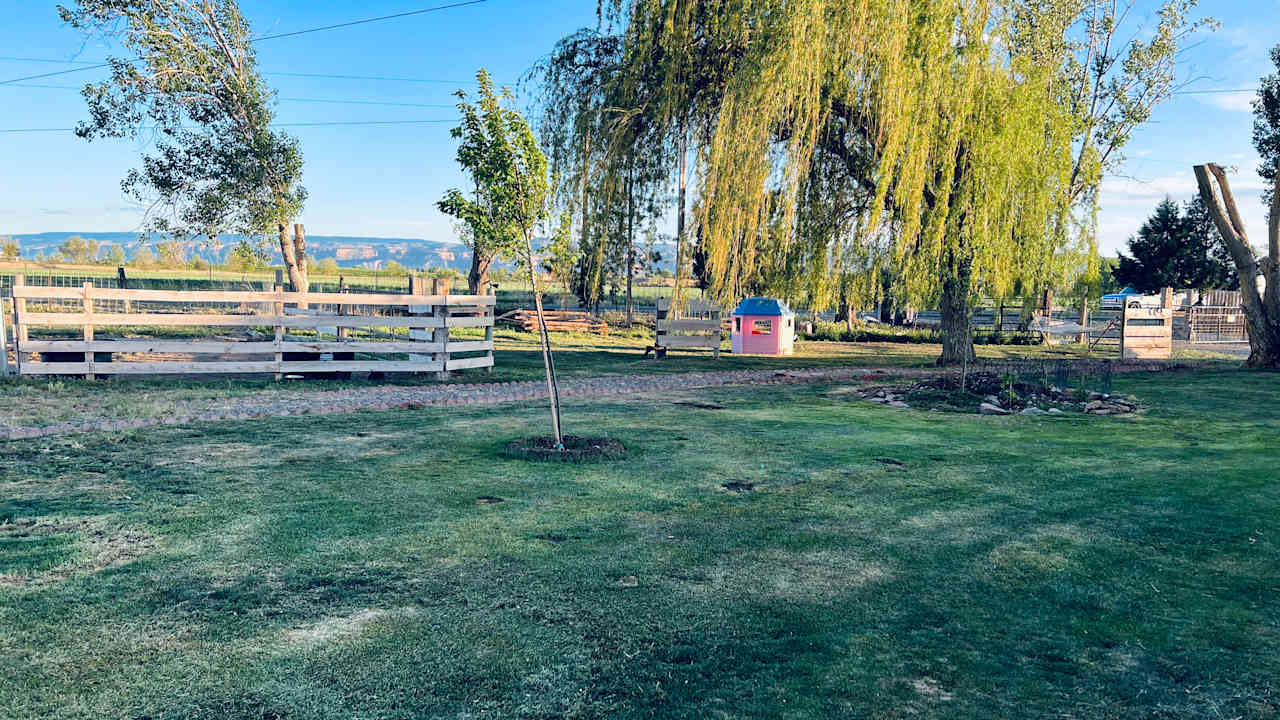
x,y
590,279
1084,318
478,276
957,339
293,249
1261,309
631,239
548,363
684,179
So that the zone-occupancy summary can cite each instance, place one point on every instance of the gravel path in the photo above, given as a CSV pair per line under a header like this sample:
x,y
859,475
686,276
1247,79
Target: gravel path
x,y
393,397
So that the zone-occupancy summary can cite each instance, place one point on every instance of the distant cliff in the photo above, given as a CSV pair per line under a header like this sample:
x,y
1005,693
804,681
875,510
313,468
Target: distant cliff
x,y
347,251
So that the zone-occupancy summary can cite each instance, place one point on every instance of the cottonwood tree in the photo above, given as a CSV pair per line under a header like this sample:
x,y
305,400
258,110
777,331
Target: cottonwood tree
x,y
9,249
1116,73
1261,307
509,198
78,251
193,88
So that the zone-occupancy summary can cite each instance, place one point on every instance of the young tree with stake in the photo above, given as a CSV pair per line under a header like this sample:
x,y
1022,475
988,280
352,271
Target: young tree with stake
x,y
509,174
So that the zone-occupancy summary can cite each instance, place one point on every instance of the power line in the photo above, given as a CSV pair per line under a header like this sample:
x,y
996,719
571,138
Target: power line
x,y
327,101
329,76
368,20
271,37
1215,92
330,123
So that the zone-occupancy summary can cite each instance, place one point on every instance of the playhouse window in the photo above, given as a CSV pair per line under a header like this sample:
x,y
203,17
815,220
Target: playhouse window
x,y
737,325
762,327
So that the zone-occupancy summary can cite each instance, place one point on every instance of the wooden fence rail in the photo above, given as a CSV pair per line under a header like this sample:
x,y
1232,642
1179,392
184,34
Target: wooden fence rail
x,y
426,318
700,328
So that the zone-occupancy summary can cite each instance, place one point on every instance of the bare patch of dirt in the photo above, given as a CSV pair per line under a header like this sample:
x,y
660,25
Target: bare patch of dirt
x,y
699,405
94,545
814,576
739,486
927,687
488,500
336,629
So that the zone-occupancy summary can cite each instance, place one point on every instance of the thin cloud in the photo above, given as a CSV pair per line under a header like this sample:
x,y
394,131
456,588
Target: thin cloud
x,y
1231,102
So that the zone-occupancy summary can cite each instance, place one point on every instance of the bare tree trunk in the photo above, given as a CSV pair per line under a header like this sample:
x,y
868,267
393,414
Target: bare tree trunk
x,y
289,252
1084,318
684,180
548,362
589,278
478,276
631,238
957,339
1261,309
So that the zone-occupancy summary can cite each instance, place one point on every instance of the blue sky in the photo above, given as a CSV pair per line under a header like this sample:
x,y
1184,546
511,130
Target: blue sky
x,y
383,181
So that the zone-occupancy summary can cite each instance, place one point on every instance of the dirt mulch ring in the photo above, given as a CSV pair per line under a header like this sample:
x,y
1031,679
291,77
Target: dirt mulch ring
x,y
575,449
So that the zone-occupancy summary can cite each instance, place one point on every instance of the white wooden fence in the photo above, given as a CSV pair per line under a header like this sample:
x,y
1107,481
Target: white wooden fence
x,y
394,333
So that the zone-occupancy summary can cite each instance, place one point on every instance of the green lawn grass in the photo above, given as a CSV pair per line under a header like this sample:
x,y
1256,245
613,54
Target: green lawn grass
x,y
884,564
36,401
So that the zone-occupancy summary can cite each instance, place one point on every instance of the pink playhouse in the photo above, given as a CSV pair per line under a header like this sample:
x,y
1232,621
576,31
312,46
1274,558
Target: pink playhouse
x,y
763,326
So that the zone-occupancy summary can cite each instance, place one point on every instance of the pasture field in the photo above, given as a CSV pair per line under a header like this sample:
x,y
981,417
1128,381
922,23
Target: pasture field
x,y
764,552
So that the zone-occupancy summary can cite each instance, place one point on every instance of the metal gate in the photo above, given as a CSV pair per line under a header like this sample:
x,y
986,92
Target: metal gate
x,y
1216,324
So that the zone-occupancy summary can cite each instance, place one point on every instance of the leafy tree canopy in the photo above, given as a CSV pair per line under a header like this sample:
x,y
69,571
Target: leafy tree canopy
x,y
1175,249
195,92
9,249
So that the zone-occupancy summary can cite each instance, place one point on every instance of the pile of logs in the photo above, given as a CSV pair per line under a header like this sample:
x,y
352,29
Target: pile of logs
x,y
557,320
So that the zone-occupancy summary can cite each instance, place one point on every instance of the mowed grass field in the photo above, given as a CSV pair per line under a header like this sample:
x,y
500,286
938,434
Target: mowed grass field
x,y
867,562
37,401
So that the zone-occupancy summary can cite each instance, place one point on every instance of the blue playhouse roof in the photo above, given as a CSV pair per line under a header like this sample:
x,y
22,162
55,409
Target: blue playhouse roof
x,y
762,306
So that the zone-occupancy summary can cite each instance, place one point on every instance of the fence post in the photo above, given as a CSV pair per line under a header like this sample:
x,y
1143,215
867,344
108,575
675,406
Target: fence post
x,y
278,309
442,336
342,309
4,340
88,331
19,329
417,287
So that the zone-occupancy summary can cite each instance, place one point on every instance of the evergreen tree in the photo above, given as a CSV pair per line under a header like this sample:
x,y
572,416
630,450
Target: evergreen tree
x,y
1173,249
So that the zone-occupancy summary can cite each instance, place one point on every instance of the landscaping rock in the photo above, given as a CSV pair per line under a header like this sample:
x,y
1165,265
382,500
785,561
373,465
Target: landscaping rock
x,y
1033,410
1093,405
987,408
899,404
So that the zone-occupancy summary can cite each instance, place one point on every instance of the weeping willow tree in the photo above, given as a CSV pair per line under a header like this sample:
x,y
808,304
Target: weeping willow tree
x,y
600,140
963,136
953,145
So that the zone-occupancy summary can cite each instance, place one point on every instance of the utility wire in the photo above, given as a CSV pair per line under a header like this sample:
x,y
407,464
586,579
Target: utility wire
x,y
270,37
368,20
335,123
329,101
